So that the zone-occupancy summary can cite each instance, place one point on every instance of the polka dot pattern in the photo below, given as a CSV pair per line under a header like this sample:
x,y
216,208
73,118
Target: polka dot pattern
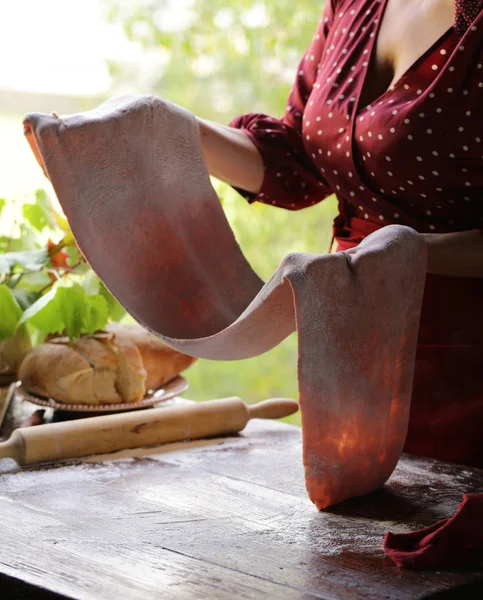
x,y
465,12
414,155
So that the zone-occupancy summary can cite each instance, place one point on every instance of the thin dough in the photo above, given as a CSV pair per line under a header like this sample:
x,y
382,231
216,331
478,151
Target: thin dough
x,y
132,180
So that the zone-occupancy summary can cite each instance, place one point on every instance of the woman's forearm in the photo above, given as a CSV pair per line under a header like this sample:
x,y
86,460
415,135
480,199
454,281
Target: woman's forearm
x,y
458,254
231,156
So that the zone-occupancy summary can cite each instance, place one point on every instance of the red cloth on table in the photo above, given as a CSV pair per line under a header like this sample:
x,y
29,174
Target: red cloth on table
x,y
453,542
414,157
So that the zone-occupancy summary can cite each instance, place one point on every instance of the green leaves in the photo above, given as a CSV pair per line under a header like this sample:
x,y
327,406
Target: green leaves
x,y
25,298
2,205
46,284
93,285
41,214
116,311
97,313
10,312
32,260
68,310
44,314
34,214
72,308
227,58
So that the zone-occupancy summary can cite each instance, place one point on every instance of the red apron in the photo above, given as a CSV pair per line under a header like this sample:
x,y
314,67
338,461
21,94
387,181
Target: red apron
x,y
446,418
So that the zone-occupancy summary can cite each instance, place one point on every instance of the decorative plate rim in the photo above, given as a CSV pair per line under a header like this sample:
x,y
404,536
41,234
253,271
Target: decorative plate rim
x,y
176,386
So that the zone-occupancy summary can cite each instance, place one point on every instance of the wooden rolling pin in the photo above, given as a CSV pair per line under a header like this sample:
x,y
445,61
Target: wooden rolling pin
x,y
99,435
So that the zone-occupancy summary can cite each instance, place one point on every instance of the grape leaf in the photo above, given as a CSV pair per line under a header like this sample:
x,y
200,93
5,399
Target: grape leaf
x,y
42,199
61,221
73,309
31,238
41,214
68,310
44,313
116,311
36,336
35,215
10,311
15,244
98,313
92,284
24,297
68,239
32,260
73,254
34,281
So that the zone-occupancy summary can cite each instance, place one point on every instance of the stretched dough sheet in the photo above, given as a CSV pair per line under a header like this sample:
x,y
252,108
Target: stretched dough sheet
x,y
131,178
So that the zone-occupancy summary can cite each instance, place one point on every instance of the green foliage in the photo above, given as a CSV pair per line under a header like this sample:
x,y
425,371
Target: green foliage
x,y
44,313
98,313
41,214
91,283
25,298
32,260
73,309
116,311
48,285
35,216
95,288
10,311
68,310
221,59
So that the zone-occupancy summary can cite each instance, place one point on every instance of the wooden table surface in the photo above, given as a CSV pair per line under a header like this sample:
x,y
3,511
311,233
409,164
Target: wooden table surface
x,y
218,519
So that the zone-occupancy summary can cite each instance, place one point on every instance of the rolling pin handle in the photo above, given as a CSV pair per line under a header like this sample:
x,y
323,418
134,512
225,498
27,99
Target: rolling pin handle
x,y
9,449
275,408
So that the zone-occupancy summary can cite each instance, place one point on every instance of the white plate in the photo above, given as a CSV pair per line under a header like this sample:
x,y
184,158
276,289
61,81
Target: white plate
x,y
173,388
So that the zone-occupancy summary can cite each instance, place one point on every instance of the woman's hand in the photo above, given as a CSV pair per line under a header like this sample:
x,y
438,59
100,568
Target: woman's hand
x,y
455,254
231,156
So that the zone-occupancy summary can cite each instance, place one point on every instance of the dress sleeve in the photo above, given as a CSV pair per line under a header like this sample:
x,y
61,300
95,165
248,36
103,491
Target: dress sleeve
x,y
291,179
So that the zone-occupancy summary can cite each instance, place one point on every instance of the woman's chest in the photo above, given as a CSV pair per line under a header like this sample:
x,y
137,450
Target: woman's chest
x,y
421,138
407,28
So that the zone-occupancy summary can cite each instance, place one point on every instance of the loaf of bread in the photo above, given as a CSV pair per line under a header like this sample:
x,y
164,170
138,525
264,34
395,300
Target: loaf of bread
x,y
160,362
114,366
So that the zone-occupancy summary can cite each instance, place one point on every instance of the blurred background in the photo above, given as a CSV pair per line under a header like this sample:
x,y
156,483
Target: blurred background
x,y
217,58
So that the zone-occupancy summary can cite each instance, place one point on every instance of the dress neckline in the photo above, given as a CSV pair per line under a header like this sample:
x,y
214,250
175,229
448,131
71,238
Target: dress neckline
x,y
372,48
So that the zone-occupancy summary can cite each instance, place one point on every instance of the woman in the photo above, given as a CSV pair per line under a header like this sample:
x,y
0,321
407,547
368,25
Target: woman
x,y
386,112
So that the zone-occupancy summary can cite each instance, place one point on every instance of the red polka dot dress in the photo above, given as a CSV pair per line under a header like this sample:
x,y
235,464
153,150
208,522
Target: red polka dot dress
x,y
414,156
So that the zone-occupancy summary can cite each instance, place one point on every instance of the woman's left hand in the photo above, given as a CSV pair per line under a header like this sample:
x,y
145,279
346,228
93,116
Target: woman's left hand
x,y
457,254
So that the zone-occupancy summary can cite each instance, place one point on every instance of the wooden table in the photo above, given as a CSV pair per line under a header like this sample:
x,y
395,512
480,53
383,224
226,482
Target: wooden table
x,y
218,519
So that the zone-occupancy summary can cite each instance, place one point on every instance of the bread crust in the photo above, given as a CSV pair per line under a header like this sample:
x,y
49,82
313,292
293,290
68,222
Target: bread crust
x,y
115,366
161,362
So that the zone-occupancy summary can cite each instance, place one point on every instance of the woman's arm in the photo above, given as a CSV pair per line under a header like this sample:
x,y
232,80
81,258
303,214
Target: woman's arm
x,y
265,158
231,156
459,254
